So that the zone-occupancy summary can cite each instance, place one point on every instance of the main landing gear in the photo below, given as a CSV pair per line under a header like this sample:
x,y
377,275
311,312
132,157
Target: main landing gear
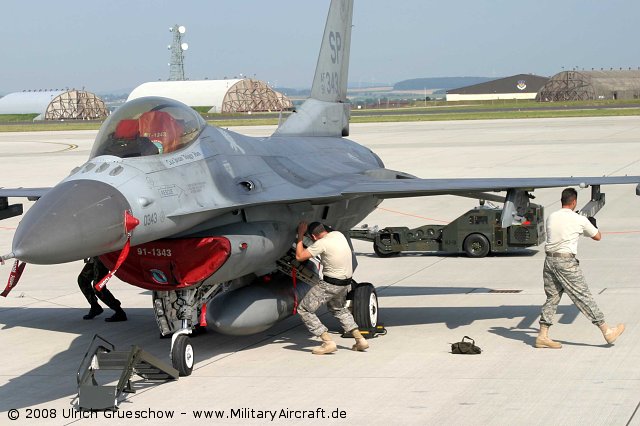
x,y
364,305
362,300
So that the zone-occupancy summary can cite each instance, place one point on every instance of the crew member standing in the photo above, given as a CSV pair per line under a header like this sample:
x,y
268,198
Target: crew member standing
x,y
562,271
91,274
335,257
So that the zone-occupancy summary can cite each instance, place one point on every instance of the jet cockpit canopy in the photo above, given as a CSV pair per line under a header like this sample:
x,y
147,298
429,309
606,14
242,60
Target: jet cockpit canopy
x,y
148,126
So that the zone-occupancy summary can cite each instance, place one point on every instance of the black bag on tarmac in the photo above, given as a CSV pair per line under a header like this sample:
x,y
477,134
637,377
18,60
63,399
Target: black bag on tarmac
x,y
465,347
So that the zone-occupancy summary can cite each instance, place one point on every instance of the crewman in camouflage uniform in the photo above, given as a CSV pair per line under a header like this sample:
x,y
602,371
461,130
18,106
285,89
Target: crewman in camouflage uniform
x,y
335,257
91,274
562,271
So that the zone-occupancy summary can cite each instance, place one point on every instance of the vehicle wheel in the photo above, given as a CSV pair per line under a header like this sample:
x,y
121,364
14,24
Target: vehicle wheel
x,y
365,306
380,253
476,245
182,355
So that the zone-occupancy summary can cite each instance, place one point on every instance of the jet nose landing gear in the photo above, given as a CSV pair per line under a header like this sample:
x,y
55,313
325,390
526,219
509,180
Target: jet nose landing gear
x,y
182,350
177,313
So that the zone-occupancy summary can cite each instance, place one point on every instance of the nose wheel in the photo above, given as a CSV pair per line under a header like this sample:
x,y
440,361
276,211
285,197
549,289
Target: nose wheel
x,y
182,353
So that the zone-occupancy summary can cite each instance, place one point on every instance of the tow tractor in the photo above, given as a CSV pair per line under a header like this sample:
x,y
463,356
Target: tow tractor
x,y
478,232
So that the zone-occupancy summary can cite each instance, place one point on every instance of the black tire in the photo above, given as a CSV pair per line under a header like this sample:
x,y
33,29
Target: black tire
x,y
378,251
182,355
476,245
365,306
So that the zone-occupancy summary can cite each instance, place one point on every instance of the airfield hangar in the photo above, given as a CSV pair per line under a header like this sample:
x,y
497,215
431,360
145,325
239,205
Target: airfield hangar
x,y
55,104
591,85
520,86
220,96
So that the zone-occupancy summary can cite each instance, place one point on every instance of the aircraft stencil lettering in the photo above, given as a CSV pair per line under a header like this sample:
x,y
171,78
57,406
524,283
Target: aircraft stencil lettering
x,y
150,219
154,252
196,187
330,83
335,41
184,158
223,245
170,191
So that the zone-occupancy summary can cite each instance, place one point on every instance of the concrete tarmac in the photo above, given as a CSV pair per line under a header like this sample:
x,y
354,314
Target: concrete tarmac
x,y
428,301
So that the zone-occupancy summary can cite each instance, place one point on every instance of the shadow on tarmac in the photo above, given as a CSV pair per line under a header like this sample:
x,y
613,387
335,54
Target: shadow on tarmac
x,y
458,316
396,290
528,337
56,378
510,254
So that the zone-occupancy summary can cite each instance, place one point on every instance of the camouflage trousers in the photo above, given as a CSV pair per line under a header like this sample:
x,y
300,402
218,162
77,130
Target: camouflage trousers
x,y
87,278
335,296
562,275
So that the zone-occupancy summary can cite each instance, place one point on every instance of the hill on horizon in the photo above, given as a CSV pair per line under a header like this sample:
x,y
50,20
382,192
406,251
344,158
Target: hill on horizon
x,y
440,82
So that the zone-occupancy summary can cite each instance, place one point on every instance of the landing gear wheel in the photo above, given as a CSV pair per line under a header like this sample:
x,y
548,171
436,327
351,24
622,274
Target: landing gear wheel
x,y
182,355
476,245
380,253
365,306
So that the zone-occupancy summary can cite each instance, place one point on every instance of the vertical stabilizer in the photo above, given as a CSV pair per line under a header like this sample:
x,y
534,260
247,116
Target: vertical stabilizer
x,y
326,112
330,81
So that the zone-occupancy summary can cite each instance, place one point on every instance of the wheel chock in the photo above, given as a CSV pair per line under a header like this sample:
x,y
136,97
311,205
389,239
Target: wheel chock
x,y
368,333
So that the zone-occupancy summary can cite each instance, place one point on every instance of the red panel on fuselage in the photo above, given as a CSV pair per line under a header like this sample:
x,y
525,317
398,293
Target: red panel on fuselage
x,y
170,264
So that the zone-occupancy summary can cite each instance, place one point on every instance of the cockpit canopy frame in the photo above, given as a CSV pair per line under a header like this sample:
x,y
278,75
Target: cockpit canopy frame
x,y
148,126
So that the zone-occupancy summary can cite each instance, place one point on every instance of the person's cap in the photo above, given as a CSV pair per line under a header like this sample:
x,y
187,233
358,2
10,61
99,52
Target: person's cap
x,y
312,227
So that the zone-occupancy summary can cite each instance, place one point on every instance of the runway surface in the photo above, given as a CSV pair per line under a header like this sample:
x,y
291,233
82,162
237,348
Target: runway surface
x,y
428,301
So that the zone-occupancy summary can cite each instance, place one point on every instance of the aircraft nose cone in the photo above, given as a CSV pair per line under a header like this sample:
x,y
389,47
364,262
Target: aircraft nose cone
x,y
75,220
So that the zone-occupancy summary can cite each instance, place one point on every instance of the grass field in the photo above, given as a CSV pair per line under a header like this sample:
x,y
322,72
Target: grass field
x,y
432,112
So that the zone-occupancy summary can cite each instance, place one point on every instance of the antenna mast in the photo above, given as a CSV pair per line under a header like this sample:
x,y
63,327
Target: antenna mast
x,y
177,48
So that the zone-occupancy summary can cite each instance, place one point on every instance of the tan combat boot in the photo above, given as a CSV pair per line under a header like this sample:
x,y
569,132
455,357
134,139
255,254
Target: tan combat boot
x,y
611,334
328,346
361,343
544,341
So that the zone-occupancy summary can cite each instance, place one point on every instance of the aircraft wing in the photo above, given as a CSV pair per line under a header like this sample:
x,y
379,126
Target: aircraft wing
x,y
11,210
408,186
30,193
399,188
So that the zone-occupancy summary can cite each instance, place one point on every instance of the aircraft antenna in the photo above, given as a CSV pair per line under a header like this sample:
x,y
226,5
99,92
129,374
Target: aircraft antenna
x,y
177,48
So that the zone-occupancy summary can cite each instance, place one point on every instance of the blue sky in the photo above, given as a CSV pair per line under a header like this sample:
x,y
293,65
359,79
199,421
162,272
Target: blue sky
x,y
118,44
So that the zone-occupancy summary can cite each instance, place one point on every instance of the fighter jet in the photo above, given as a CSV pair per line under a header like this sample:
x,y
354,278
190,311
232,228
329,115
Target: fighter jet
x,y
205,217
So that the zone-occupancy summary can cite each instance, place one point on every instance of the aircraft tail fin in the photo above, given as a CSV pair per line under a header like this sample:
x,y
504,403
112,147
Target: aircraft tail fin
x,y
326,112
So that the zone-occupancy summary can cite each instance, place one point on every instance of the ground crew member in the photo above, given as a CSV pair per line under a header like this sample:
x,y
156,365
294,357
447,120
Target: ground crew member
x,y
562,271
335,257
91,274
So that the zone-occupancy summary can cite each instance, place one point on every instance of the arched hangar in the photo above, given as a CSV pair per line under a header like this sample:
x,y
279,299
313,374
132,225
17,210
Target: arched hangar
x,y
221,96
591,85
55,104
520,86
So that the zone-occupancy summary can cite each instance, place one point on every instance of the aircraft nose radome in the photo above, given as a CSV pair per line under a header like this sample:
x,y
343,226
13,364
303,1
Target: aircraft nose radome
x,y
75,220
